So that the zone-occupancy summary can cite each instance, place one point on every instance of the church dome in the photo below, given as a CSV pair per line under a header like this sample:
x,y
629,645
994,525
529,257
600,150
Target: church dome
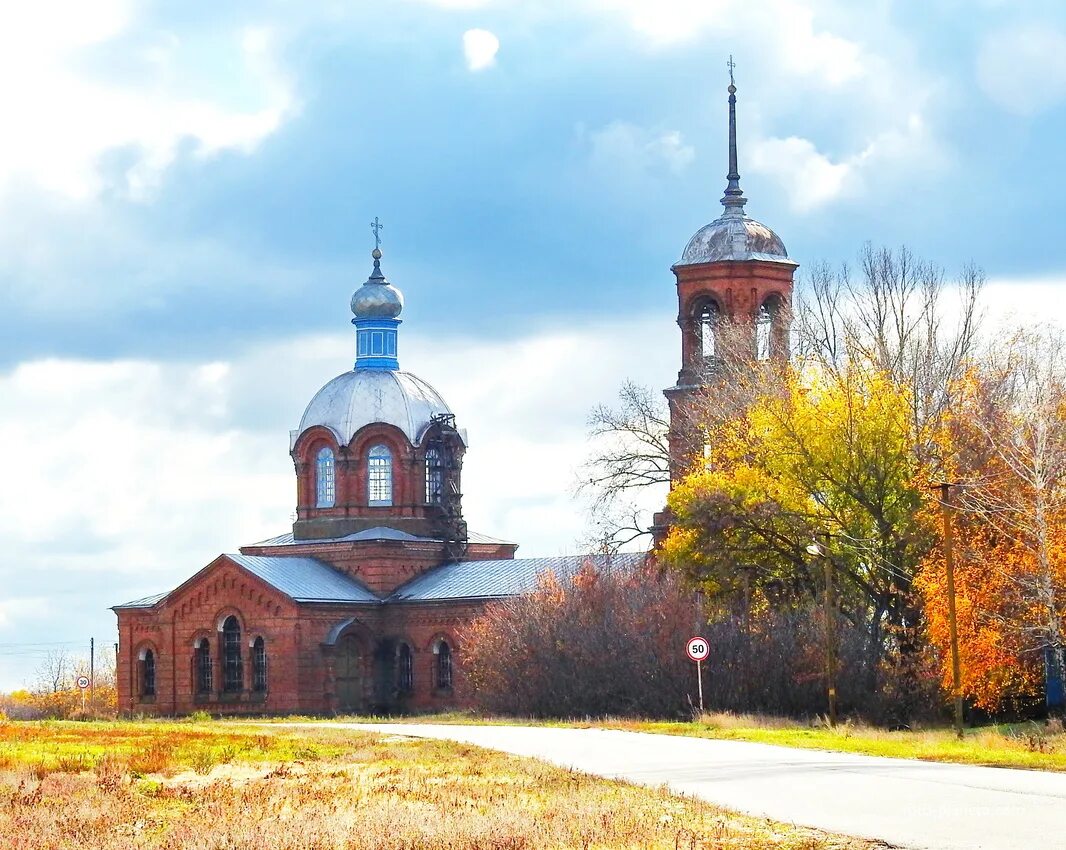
x,y
377,298
733,236
367,396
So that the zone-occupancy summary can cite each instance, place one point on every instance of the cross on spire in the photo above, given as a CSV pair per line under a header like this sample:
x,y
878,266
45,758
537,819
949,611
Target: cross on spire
x,y
731,65
376,226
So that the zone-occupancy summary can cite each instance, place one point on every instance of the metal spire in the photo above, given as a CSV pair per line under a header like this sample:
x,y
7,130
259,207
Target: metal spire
x,y
734,195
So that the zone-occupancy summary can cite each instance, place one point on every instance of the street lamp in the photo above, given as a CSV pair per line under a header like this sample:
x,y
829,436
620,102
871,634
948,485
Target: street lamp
x,y
819,550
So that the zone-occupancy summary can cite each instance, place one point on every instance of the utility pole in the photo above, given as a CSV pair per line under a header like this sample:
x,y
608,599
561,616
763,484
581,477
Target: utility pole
x,y
830,639
822,550
953,629
92,672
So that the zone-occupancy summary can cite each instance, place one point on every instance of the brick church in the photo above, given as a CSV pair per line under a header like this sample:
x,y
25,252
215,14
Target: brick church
x,y
360,607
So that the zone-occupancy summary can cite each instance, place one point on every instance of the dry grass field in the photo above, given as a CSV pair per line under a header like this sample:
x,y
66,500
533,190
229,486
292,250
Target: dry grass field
x,y
218,786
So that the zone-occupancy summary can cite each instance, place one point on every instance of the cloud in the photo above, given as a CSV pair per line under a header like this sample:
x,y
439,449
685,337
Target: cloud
x,y
1023,70
798,44
480,48
623,150
812,179
158,98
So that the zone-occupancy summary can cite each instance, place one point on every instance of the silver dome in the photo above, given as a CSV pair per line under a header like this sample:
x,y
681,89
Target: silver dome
x,y
734,236
367,396
377,301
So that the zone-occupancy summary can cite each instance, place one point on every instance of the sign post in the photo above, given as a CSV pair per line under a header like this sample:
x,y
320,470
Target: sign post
x,y
83,683
698,649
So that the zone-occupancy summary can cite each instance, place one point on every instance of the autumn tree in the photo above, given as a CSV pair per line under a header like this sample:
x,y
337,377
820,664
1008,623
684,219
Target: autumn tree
x,y
830,454
1007,445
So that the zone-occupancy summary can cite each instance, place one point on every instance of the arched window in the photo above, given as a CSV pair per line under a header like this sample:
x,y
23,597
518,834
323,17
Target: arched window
x,y
434,477
405,670
204,677
232,666
148,674
379,476
444,664
764,325
259,665
325,479
708,329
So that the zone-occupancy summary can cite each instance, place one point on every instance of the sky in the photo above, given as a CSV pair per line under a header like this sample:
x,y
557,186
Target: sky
x,y
186,189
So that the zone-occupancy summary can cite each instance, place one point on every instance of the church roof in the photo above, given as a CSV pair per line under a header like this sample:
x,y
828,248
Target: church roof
x,y
310,580
502,578
305,579
145,602
362,397
379,532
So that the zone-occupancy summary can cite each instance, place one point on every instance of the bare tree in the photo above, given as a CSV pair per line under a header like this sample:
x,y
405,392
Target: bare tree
x,y
632,448
896,317
54,671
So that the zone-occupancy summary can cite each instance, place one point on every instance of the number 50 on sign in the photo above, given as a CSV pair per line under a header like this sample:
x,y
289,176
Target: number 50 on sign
x,y
697,649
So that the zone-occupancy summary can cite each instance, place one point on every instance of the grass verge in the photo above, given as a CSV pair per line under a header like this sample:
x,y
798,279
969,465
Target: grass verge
x,y
220,785
1031,745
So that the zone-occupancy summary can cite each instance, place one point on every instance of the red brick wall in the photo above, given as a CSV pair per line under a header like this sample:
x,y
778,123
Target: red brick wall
x,y
300,667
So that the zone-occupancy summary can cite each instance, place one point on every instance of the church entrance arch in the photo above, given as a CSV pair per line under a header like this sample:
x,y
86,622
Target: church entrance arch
x,y
349,674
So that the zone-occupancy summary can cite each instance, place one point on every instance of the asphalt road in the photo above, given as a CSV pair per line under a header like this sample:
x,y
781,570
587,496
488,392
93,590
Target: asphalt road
x,y
904,803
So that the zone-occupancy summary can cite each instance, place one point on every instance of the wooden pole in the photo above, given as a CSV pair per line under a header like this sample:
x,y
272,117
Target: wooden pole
x,y
830,640
949,563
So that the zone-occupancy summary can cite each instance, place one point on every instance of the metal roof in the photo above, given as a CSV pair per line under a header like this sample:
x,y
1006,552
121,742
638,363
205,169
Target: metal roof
x,y
146,602
502,578
361,397
305,579
380,532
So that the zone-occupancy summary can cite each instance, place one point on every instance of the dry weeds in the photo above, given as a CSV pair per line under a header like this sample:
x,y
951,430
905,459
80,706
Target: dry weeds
x,y
351,791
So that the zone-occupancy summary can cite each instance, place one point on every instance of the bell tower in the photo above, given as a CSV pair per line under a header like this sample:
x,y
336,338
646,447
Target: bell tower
x,y
734,295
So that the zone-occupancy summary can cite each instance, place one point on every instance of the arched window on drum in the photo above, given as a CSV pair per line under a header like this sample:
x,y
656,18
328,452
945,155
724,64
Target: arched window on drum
x,y
325,478
379,476
434,477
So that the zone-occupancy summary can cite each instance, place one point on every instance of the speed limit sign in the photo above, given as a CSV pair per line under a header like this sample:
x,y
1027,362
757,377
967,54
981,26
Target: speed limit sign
x,y
83,682
697,649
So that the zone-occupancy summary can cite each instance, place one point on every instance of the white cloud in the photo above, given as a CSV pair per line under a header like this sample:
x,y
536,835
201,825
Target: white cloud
x,y
812,179
621,149
1024,69
809,177
480,48
57,129
788,25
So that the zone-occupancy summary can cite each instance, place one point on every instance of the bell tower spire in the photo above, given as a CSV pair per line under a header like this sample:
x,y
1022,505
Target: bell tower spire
x,y
734,195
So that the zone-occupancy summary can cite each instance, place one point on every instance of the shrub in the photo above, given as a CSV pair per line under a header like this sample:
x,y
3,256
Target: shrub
x,y
613,643
602,642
